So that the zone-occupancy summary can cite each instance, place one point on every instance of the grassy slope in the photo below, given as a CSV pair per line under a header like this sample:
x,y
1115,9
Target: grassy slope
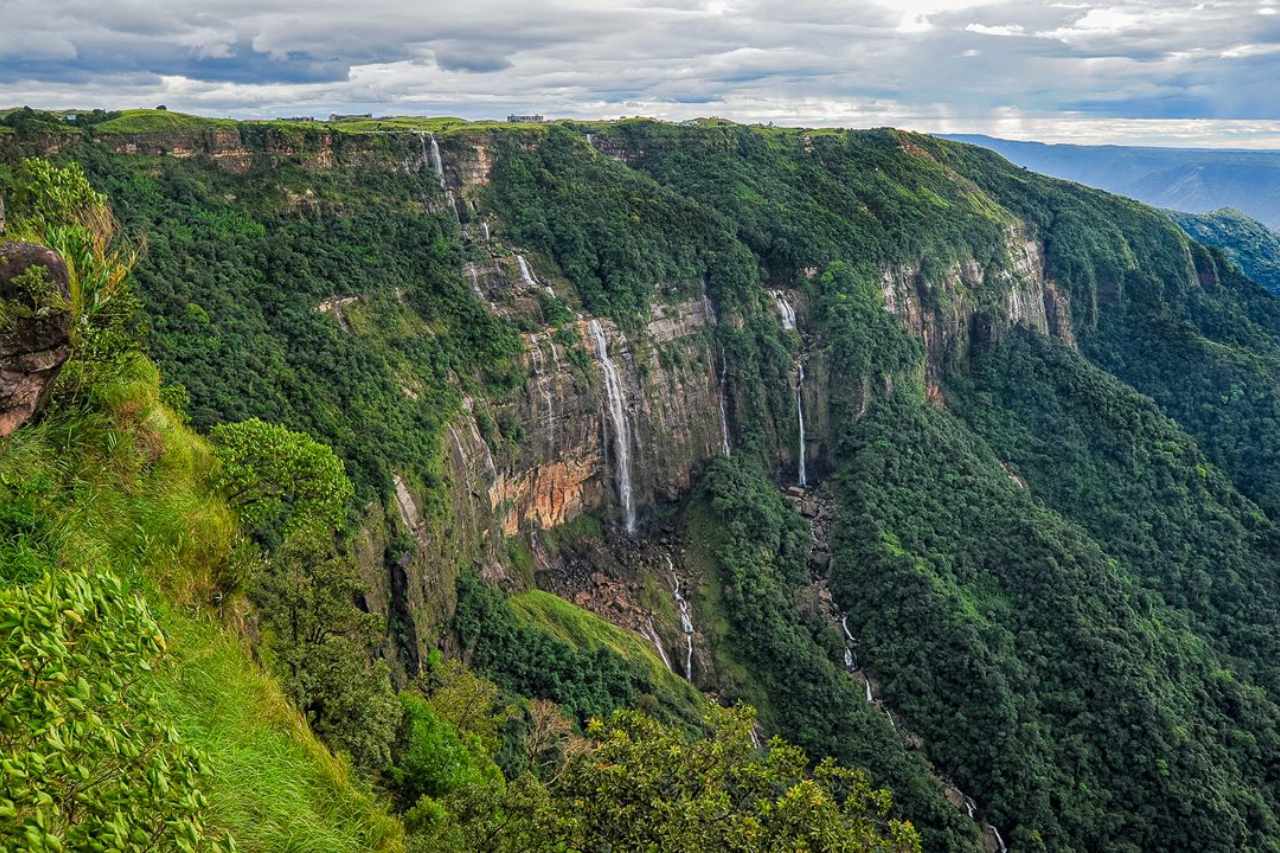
x,y
123,489
587,632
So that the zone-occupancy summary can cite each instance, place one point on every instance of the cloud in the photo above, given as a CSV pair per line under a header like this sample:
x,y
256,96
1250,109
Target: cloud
x,y
928,64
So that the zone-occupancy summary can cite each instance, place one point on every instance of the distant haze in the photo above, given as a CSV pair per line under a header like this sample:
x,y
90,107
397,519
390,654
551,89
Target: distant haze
x,y
1187,179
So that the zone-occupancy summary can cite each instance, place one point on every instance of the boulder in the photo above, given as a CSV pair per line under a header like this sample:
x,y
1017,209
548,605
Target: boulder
x,y
35,329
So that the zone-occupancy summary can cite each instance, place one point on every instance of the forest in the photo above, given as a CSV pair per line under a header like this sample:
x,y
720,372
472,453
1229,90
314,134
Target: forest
x,y
1050,536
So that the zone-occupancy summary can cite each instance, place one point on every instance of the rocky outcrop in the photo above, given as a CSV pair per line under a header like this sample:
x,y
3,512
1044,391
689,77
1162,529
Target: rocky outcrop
x,y
35,329
975,305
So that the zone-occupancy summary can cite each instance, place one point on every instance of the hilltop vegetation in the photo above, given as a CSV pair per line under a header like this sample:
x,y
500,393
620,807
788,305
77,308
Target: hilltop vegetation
x,y
1253,247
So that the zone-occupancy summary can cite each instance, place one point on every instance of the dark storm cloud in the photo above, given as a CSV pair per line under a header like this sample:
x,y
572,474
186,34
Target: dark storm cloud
x,y
953,64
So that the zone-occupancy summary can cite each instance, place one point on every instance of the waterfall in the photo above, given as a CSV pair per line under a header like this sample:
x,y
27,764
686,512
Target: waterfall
x,y
999,840
590,140
621,428
800,470
475,283
755,738
850,660
867,683
436,162
724,417
525,274
970,806
686,620
535,356
785,310
652,634
484,226
710,312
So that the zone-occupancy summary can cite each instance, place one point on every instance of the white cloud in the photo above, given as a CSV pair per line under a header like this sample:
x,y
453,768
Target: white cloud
x,y
1001,30
928,64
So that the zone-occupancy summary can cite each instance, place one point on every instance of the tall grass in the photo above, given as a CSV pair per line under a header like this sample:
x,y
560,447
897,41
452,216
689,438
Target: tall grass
x,y
122,484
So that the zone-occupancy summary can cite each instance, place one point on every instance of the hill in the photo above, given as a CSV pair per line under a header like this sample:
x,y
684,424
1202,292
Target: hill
x,y
1196,180
531,445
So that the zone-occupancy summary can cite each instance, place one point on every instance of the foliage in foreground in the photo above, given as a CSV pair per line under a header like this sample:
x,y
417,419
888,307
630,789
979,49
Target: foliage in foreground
x,y
87,758
633,783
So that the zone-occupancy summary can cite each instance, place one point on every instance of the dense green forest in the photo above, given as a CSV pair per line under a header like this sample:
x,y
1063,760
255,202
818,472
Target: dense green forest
x,y
1252,246
1054,542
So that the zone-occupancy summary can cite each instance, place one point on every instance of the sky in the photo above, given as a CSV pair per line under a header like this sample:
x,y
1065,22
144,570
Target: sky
x,y
1151,72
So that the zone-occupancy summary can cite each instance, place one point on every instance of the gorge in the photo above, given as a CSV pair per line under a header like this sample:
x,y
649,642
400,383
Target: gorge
x,y
637,414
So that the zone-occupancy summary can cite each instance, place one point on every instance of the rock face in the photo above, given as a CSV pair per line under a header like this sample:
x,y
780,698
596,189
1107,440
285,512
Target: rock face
x,y
35,328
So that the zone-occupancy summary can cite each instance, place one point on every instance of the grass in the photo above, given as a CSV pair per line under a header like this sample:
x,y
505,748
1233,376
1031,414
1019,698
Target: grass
x,y
159,121
119,485
585,630
276,787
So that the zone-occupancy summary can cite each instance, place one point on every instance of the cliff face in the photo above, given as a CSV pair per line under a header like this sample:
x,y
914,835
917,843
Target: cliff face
x,y
609,421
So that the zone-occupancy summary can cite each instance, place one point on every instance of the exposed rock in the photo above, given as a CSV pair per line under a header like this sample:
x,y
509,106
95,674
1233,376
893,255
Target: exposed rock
x,y
35,329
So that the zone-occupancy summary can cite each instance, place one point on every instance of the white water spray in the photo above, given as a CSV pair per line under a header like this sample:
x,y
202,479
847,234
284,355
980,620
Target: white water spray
x,y
850,660
475,283
785,310
436,162
621,427
710,312
686,620
535,356
484,226
999,840
800,467
867,683
652,634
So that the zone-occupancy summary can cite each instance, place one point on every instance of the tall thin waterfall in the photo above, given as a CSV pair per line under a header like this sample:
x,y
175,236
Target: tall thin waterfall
x,y
850,659
475,283
652,634
535,356
525,274
724,417
999,840
867,683
621,427
800,470
436,162
686,620
484,226
785,310
709,310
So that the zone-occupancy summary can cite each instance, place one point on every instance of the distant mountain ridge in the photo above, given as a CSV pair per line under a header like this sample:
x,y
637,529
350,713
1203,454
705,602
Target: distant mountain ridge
x,y
1197,180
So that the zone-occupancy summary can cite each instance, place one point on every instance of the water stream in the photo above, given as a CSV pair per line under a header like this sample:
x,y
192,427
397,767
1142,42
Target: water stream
x,y
710,312
800,466
544,387
999,840
652,634
436,162
785,311
621,426
850,659
686,620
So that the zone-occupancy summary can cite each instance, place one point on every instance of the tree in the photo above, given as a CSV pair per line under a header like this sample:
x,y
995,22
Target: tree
x,y
320,645
87,759
280,481
642,785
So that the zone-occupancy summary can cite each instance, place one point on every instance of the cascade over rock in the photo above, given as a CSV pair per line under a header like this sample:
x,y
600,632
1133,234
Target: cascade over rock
x,y
616,410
